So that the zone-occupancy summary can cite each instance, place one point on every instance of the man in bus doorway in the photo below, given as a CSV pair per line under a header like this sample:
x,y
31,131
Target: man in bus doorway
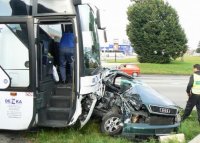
x,y
193,91
66,51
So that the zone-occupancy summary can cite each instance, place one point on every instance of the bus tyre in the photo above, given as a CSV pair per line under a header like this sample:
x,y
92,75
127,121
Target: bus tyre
x,y
111,124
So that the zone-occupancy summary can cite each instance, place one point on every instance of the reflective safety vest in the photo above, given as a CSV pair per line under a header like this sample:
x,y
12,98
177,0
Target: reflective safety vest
x,y
196,84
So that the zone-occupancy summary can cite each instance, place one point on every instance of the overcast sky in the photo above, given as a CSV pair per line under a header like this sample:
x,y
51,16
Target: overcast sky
x,y
188,11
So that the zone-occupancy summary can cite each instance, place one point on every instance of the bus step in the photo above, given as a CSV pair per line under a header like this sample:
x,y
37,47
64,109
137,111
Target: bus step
x,y
60,101
54,123
54,113
63,91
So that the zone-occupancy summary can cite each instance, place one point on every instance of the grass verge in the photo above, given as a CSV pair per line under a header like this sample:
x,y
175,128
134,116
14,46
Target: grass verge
x,y
175,67
190,127
88,134
91,134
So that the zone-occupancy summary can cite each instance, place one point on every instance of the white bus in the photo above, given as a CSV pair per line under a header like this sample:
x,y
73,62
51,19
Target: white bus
x,y
30,33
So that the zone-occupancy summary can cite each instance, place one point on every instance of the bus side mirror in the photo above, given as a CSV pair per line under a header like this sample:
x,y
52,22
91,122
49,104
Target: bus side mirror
x,y
101,22
102,36
4,79
105,36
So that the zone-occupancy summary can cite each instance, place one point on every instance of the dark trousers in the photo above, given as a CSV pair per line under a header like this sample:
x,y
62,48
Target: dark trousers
x,y
192,101
65,58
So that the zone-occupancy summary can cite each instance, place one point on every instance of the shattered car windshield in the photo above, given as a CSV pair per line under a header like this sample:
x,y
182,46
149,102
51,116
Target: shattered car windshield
x,y
124,83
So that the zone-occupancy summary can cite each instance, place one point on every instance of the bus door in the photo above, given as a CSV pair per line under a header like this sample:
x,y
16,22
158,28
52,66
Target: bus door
x,y
57,96
16,84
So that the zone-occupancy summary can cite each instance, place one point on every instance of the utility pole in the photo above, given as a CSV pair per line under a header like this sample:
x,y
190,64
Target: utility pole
x,y
116,47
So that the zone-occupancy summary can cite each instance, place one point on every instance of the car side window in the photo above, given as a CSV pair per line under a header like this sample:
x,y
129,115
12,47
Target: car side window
x,y
117,81
122,83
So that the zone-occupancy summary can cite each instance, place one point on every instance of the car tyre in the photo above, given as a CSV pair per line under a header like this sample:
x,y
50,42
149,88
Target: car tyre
x,y
111,123
135,74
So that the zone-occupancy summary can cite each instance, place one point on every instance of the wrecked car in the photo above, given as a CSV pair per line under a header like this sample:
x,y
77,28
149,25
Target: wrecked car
x,y
131,107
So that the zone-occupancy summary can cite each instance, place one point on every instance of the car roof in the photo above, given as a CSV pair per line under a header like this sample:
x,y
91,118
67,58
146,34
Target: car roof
x,y
130,65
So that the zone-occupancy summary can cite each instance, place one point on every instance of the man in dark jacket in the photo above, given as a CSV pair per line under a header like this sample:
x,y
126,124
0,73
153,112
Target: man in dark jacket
x,y
193,91
66,52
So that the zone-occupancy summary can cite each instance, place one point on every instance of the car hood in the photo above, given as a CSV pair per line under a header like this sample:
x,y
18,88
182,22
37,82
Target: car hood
x,y
149,96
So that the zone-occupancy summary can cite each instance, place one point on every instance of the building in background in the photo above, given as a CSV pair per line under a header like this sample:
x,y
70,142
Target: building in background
x,y
122,48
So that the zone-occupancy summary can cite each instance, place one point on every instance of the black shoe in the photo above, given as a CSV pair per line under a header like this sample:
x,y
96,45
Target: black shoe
x,y
62,85
63,82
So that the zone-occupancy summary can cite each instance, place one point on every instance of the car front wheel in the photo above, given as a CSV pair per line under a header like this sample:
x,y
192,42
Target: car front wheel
x,y
111,124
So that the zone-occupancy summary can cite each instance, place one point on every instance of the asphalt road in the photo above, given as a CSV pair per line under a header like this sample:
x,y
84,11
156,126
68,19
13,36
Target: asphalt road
x,y
170,86
12,137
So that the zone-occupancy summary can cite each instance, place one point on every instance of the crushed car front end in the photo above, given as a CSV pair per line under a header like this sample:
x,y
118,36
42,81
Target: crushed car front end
x,y
131,107
155,123
162,115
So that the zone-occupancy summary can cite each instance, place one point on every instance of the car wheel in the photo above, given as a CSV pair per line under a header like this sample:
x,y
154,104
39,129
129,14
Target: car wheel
x,y
135,74
111,124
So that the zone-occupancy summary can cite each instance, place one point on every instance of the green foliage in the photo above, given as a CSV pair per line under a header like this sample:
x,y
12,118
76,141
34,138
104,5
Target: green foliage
x,y
124,60
199,45
88,134
158,58
190,127
198,50
155,32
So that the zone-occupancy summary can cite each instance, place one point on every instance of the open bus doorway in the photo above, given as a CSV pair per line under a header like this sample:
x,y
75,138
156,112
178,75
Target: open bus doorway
x,y
58,43
59,95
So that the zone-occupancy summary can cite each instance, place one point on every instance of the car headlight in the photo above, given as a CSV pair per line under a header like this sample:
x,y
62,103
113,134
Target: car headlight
x,y
178,118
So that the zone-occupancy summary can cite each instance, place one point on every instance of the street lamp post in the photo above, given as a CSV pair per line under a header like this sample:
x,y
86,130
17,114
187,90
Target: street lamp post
x,y
115,48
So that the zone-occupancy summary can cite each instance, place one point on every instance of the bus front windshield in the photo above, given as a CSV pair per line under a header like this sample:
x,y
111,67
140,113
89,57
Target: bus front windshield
x,y
91,49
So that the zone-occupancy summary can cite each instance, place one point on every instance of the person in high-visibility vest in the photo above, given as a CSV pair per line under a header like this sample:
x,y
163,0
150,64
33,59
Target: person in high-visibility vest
x,y
193,91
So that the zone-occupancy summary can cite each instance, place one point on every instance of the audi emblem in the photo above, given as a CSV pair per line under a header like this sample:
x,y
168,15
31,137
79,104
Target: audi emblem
x,y
165,110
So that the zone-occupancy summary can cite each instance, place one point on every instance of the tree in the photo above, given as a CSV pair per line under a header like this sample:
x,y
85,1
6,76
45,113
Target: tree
x,y
198,48
155,32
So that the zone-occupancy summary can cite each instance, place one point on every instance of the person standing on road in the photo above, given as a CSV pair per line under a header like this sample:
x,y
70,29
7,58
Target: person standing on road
x,y
193,91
